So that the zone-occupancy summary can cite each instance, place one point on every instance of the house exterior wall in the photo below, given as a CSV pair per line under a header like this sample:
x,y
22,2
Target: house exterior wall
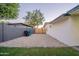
x,y
66,31
47,27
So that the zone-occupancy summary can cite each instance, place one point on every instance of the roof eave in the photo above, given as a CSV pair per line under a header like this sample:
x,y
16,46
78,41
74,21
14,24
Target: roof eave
x,y
18,24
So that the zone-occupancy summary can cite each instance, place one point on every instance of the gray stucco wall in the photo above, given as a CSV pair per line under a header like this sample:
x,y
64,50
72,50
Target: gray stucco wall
x,y
12,31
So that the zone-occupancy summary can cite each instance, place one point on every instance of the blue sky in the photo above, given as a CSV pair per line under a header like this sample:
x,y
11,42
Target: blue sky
x,y
50,10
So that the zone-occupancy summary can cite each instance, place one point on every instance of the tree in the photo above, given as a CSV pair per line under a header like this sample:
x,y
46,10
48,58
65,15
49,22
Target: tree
x,y
34,18
8,11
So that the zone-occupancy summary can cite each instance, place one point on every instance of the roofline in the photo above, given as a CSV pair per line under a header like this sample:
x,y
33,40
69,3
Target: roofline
x,y
65,14
73,9
46,24
55,20
19,24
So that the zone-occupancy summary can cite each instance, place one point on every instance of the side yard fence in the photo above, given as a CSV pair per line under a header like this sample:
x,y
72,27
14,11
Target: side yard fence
x,y
8,32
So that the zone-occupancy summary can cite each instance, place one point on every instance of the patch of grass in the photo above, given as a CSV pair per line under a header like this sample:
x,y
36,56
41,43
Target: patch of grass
x,y
6,51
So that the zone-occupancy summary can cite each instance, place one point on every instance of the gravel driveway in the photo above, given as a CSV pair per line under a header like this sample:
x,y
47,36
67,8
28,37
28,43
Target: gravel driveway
x,y
35,40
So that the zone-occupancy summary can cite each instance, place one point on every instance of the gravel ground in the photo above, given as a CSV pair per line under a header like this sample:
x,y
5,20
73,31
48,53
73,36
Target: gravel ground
x,y
35,40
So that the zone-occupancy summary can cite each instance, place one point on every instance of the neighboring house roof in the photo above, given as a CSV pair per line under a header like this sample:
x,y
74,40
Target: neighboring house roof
x,y
74,11
19,24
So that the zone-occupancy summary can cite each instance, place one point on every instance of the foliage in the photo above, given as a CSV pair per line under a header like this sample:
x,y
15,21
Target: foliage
x,y
8,10
34,18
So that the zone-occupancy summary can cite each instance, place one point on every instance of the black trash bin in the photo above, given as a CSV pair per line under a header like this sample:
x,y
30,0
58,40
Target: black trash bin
x,y
26,33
